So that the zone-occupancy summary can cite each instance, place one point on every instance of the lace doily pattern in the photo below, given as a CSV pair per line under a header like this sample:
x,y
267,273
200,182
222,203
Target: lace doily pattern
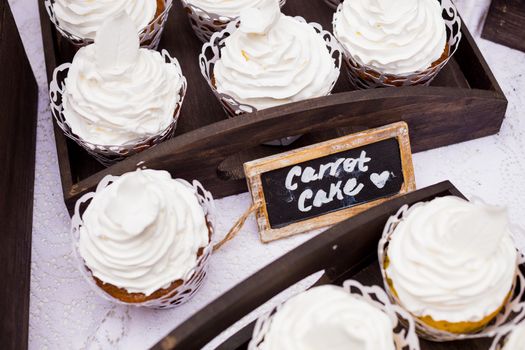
x,y
192,280
204,23
149,36
365,77
512,313
108,154
404,329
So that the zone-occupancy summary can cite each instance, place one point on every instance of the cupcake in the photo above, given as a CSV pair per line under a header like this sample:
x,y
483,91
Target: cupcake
x,y
332,317
143,238
394,43
451,263
516,339
118,99
210,16
80,20
270,60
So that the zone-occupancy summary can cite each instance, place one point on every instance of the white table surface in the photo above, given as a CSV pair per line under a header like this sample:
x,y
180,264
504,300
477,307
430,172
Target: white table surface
x,y
65,314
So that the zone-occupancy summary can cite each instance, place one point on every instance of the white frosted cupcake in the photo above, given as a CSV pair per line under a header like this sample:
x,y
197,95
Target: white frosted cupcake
x,y
271,60
516,339
332,317
392,42
117,98
80,20
451,263
210,16
142,238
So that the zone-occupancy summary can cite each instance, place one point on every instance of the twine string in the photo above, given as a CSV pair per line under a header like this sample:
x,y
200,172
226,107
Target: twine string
x,y
235,228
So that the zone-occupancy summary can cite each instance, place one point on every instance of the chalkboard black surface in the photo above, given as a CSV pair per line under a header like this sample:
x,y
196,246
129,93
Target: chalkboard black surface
x,y
323,184
333,182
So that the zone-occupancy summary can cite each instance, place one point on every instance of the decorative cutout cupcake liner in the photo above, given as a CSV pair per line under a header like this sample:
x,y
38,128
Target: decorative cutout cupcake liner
x,y
149,36
366,77
193,279
512,313
405,335
204,23
333,3
109,154
211,53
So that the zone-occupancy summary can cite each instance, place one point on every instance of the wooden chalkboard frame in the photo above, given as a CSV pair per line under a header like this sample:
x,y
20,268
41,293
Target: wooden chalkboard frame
x,y
254,169
347,250
464,102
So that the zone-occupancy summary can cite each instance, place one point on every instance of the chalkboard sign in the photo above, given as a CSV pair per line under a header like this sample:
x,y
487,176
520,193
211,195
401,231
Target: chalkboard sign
x,y
322,184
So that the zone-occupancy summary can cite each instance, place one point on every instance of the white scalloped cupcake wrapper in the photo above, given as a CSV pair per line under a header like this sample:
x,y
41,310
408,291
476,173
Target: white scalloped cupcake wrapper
x,y
149,36
512,313
193,279
405,335
366,77
109,154
205,23
211,53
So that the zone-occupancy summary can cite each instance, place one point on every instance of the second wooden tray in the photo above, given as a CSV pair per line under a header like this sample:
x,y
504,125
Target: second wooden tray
x,y
463,103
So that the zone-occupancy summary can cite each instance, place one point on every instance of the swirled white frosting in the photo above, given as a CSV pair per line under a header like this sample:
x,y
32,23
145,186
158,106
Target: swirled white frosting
x,y
273,59
394,37
226,8
327,317
516,339
452,260
117,93
83,18
142,232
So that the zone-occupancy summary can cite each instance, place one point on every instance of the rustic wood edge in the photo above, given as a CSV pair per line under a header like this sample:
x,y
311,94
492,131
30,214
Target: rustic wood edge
x,y
317,254
256,168
514,14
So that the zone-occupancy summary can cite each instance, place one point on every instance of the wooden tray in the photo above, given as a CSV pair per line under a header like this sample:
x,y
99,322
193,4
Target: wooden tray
x,y
463,103
355,258
18,119
505,22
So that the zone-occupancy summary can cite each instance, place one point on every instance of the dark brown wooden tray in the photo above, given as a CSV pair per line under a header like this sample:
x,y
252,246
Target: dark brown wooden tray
x,y
463,103
356,240
18,119
505,22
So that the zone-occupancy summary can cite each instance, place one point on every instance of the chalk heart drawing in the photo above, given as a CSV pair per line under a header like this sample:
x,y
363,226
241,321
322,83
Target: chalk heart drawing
x,y
380,179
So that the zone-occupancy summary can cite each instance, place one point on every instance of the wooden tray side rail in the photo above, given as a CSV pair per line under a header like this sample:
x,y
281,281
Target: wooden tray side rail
x,y
343,247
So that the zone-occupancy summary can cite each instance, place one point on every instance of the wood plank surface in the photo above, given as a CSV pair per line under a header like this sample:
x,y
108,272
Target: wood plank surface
x,y
505,23
18,100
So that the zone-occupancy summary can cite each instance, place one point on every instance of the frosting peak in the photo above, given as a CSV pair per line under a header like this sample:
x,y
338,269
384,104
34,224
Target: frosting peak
x,y
394,37
452,260
143,232
328,317
274,59
117,93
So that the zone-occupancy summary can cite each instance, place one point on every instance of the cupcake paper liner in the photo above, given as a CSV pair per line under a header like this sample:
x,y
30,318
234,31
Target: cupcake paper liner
x,y
511,314
366,77
211,53
204,23
109,154
193,279
149,36
404,330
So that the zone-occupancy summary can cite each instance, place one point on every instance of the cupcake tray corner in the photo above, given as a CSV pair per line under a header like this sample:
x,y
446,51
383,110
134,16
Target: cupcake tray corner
x,y
355,257
464,102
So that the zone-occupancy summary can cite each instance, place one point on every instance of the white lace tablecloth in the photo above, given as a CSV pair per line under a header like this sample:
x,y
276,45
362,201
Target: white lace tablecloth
x,y
65,314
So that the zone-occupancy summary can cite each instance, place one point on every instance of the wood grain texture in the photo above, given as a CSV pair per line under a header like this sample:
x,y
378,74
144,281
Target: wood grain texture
x,y
254,169
355,256
463,103
19,100
505,23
